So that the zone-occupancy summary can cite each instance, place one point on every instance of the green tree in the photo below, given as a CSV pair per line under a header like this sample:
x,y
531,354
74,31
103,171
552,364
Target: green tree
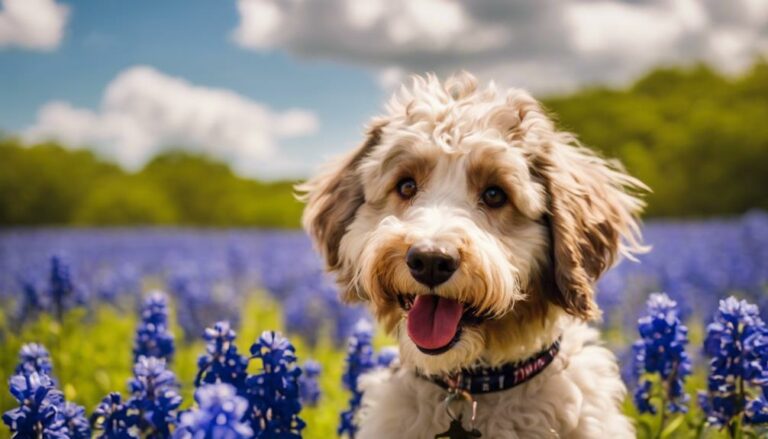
x,y
126,200
44,184
698,139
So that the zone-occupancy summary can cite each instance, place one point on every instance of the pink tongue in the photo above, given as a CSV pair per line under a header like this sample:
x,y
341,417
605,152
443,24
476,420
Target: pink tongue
x,y
433,321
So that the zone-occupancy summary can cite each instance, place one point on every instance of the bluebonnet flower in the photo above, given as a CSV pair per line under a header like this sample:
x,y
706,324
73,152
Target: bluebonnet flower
x,y
274,392
387,355
221,363
359,361
38,414
237,264
76,421
114,419
32,300
34,357
61,287
737,341
153,339
756,411
219,415
154,397
309,388
642,397
661,351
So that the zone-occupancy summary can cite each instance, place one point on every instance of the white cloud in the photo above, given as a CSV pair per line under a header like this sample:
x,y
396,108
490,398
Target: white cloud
x,y
260,22
32,24
610,27
545,44
144,111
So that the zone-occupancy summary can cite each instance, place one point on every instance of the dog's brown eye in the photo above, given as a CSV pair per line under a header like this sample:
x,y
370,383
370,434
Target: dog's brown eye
x,y
406,188
494,197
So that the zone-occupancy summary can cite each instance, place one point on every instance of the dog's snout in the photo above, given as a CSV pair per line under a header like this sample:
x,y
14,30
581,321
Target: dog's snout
x,y
431,266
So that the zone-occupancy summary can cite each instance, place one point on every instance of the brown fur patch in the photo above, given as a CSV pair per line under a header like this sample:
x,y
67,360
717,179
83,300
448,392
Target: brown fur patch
x,y
332,199
590,213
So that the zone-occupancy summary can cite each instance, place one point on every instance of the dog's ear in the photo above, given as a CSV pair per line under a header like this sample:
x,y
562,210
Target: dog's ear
x,y
593,209
332,199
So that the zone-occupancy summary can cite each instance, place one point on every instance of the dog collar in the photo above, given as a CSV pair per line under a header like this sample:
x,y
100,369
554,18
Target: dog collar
x,y
479,380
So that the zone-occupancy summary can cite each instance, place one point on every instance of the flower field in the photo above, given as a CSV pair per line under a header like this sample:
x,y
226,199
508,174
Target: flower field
x,y
248,336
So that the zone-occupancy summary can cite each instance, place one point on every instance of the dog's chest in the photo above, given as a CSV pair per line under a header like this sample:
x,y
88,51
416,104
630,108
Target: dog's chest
x,y
406,406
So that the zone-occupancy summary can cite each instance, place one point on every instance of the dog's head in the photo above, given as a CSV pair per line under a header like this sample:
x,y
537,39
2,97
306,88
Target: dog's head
x,y
470,223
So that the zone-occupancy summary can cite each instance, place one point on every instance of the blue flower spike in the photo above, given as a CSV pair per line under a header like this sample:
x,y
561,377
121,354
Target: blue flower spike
x,y
153,337
660,352
273,394
34,357
155,397
113,419
221,363
39,412
360,359
737,386
219,415
309,387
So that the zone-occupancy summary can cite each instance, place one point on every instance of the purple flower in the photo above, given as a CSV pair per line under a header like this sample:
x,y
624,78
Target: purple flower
x,y
154,397
61,288
359,361
39,412
387,355
219,415
273,394
221,363
660,351
114,419
309,387
737,342
76,421
153,339
756,411
34,357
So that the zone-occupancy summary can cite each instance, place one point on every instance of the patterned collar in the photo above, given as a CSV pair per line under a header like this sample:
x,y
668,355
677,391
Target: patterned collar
x,y
480,380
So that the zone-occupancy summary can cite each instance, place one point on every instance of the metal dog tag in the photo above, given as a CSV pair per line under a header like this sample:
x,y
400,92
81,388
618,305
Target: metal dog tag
x,y
457,431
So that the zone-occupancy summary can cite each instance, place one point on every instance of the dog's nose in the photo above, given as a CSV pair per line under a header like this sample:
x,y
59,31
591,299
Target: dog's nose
x,y
431,266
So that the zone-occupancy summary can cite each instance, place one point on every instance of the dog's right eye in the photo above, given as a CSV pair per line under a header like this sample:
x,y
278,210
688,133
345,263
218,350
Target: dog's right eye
x,y
407,188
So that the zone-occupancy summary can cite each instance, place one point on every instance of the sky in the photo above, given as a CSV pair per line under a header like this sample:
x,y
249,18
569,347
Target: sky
x,y
276,87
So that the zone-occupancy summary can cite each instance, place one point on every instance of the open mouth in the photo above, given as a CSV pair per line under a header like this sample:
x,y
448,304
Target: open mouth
x,y
435,322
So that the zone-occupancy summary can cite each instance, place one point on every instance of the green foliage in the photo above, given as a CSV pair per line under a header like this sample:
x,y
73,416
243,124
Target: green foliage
x,y
123,200
208,193
48,184
698,139
45,184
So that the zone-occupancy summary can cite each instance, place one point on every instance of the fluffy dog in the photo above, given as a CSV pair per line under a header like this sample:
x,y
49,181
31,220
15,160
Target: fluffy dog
x,y
476,231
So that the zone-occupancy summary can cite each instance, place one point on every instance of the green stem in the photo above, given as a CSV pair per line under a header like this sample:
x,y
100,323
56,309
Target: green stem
x,y
663,419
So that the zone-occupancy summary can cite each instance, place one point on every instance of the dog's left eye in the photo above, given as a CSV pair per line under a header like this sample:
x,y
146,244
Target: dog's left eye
x,y
407,188
494,197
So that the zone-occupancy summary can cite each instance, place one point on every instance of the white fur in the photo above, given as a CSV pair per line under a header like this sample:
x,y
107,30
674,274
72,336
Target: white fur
x,y
578,396
569,215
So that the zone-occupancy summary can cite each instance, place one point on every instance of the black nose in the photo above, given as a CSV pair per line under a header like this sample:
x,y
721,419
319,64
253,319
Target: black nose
x,y
431,266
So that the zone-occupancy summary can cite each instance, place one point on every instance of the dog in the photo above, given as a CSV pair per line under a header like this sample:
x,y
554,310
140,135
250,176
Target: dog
x,y
476,230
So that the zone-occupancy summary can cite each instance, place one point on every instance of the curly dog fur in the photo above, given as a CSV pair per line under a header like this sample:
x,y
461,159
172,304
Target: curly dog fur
x,y
526,268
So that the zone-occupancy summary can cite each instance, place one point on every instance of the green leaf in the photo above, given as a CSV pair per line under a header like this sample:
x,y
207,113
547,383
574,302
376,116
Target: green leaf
x,y
671,427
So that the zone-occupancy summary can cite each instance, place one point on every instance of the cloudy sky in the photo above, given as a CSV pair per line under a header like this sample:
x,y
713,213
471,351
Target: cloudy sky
x,y
276,86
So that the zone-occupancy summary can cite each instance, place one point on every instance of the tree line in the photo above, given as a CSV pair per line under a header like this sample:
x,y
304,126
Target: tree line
x,y
697,138
48,184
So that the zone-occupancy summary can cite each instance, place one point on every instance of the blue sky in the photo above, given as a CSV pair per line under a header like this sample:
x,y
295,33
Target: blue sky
x,y
276,86
189,39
